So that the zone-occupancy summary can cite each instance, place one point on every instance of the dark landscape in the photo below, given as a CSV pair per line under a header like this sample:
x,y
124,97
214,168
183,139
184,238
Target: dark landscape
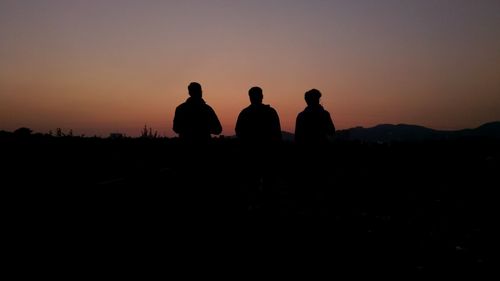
x,y
418,201
188,139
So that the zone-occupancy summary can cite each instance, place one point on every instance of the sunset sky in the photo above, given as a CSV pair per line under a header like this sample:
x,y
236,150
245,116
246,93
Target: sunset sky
x,y
102,66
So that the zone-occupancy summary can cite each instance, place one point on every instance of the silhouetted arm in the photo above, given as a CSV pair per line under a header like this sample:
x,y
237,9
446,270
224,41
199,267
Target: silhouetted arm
x,y
178,122
299,129
276,127
240,125
214,123
330,128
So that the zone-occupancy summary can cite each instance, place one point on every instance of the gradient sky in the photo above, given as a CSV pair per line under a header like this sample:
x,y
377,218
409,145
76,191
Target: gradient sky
x,y
112,66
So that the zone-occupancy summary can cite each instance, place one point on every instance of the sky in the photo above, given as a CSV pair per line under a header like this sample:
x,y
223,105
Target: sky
x,y
105,66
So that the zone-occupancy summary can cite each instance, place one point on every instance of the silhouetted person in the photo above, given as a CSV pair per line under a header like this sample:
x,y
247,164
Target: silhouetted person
x,y
258,128
314,125
258,123
195,120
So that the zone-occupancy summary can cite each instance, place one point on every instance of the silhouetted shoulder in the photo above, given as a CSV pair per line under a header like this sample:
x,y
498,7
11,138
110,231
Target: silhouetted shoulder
x,y
195,120
258,123
314,125
327,114
272,110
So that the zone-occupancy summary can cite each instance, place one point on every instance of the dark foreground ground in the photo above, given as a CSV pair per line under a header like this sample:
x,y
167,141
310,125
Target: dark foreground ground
x,y
412,207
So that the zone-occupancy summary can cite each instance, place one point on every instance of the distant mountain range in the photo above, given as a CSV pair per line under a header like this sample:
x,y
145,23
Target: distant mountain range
x,y
405,132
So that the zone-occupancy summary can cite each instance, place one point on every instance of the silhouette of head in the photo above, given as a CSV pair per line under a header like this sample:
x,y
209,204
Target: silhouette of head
x,y
195,90
312,97
255,94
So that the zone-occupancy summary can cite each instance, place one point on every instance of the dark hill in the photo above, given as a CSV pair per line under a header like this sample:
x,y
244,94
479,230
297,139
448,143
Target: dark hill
x,y
405,132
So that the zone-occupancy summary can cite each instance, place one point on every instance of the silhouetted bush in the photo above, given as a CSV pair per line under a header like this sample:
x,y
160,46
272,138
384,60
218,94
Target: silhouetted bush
x,y
23,132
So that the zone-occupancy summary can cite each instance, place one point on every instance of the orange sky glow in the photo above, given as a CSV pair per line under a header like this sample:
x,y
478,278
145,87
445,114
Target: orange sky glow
x,y
99,67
